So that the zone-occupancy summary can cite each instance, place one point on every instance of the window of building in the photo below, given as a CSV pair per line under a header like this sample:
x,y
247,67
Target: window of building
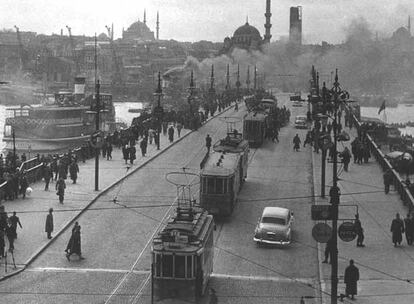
x,y
180,266
167,265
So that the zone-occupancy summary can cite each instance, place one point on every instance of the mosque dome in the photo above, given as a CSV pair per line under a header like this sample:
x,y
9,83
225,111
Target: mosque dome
x,y
247,30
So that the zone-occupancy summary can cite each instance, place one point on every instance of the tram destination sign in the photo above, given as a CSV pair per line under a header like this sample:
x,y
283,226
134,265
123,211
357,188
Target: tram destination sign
x,y
321,212
346,232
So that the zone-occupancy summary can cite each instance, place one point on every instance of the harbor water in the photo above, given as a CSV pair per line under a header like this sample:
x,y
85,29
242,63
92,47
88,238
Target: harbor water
x,y
121,115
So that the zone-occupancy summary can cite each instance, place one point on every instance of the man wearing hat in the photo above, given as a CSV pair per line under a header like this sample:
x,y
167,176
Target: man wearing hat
x,y
49,224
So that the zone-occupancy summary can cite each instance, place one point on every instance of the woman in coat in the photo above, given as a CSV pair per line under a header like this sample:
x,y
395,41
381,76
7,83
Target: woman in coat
x,y
351,278
75,244
49,224
397,229
73,171
60,189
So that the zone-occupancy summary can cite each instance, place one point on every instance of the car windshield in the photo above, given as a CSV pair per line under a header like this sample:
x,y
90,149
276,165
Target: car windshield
x,y
273,220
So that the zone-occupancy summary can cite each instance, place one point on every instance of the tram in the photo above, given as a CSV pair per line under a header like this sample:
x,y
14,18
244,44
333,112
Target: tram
x,y
182,256
222,174
254,128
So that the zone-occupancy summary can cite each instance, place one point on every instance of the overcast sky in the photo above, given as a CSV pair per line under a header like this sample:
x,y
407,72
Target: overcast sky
x,y
193,20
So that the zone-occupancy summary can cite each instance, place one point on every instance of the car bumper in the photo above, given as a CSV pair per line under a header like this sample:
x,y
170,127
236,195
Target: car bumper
x,y
273,242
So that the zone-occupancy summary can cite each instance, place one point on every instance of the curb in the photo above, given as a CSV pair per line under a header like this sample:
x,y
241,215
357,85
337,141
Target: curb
x,y
70,222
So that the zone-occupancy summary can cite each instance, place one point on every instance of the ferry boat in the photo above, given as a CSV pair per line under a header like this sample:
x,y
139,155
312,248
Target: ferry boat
x,y
64,124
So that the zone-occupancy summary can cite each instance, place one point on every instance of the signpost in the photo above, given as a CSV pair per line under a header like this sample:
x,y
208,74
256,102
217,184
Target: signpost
x,y
322,232
321,212
346,231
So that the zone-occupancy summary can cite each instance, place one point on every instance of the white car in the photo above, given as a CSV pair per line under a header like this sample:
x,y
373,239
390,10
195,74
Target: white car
x,y
301,122
274,226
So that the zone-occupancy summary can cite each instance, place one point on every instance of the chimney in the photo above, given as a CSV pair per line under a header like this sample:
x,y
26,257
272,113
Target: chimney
x,y
295,30
145,16
268,25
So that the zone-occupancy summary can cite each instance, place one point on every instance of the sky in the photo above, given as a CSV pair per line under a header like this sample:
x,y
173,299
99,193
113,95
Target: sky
x,y
194,20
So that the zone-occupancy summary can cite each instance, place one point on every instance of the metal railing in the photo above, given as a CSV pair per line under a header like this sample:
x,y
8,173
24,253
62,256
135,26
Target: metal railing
x,y
399,183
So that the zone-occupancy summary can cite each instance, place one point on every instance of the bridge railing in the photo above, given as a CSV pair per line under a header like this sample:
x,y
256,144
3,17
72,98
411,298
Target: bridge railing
x,y
399,183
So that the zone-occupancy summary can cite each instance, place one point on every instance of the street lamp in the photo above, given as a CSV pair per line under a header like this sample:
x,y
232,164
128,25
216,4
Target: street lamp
x,y
14,150
190,97
158,110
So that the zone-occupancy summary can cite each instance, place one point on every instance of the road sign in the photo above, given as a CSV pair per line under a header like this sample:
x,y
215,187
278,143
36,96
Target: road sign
x,y
322,232
346,232
321,212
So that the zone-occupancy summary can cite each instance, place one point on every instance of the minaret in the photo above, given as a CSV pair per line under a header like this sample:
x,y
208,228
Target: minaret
x,y
268,25
112,32
158,26
145,16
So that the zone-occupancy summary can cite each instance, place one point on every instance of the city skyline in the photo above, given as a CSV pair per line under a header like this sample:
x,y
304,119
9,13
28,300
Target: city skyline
x,y
185,20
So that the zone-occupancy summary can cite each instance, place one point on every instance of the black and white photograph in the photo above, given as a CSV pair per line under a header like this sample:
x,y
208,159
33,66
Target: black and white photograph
x,y
205,152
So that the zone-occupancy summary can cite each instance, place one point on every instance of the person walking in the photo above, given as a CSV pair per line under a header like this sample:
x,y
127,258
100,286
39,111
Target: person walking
x,y
75,246
208,143
49,224
60,189
143,146
109,151
47,175
346,158
296,143
2,244
359,231
388,180
409,228
179,128
125,153
73,171
10,235
171,134
14,220
69,245
328,251
397,229
23,185
351,278
132,154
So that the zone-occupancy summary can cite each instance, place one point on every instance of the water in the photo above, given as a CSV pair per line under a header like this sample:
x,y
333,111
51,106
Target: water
x,y
121,114
400,114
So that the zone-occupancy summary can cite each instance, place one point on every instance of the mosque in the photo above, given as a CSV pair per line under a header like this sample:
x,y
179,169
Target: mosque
x,y
248,37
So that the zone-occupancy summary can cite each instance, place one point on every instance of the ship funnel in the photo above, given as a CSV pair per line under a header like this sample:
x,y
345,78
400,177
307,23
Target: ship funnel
x,y
80,87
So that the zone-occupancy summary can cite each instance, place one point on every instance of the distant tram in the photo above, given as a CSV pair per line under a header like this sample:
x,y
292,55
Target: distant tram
x,y
222,174
182,256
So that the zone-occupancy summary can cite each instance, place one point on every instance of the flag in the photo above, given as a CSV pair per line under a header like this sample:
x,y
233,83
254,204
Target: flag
x,y
382,107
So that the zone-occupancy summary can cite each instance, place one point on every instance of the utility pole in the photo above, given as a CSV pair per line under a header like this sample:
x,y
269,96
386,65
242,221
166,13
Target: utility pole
x,y
158,110
14,150
335,194
98,108
324,149
238,84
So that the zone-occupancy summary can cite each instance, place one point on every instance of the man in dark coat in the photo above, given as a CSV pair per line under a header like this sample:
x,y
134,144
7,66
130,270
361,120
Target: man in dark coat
x,y
208,143
75,246
388,180
73,171
125,153
409,229
328,251
397,229
23,184
171,134
68,247
109,151
143,146
14,220
49,224
346,158
296,143
359,231
10,235
351,278
60,189
132,154
47,175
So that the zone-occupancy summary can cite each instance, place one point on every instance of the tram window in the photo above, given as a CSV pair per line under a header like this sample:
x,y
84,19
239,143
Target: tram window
x,y
189,266
219,185
158,265
210,185
179,266
167,266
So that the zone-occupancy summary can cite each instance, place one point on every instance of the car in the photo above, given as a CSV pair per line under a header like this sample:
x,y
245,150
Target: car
x,y
297,104
274,226
301,122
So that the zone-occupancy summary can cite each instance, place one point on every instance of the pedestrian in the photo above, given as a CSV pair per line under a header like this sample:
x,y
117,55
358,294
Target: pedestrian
x,y
388,180
275,135
2,244
49,224
10,236
69,245
346,158
179,128
296,143
208,143
23,184
125,153
14,220
397,229
143,146
409,228
351,278
329,248
47,175
109,151
73,171
132,154
75,244
236,107
359,231
171,134
60,189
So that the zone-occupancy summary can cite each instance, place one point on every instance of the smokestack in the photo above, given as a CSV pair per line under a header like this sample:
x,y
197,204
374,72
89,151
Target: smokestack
x,y
158,26
145,16
295,30
268,25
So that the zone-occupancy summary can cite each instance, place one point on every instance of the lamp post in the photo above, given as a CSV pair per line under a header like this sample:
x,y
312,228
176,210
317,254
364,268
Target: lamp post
x,y
14,150
158,110
97,110
238,84
335,194
191,90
